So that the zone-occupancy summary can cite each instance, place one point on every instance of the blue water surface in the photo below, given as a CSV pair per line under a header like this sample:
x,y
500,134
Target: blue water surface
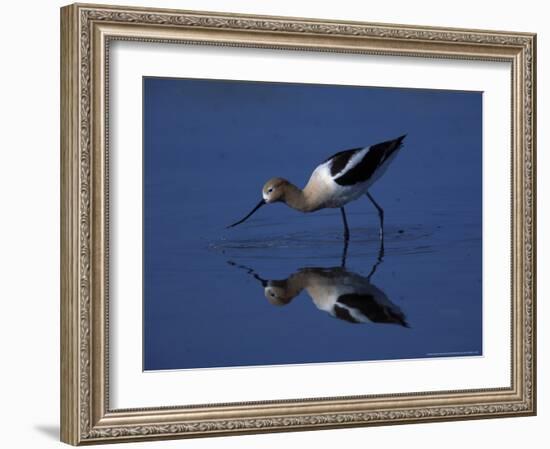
x,y
209,146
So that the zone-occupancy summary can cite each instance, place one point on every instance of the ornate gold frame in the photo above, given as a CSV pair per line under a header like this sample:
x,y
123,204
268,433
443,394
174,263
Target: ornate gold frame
x,y
86,31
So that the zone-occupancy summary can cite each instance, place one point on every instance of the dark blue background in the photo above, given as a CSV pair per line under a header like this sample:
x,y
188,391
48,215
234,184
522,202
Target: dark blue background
x,y
210,145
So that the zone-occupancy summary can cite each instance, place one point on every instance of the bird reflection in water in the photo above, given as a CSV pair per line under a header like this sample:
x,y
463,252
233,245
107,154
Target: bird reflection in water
x,y
343,294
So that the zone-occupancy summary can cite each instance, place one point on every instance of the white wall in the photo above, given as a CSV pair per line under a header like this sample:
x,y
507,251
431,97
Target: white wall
x,y
29,181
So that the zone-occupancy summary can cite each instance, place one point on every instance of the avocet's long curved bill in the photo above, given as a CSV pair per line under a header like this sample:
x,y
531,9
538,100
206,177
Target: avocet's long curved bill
x,y
260,204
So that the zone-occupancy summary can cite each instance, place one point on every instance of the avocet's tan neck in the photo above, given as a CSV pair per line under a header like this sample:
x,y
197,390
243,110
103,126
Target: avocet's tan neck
x,y
303,200
296,283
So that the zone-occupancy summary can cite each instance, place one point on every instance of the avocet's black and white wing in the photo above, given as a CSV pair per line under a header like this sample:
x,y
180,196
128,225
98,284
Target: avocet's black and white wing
x,y
363,307
363,165
350,297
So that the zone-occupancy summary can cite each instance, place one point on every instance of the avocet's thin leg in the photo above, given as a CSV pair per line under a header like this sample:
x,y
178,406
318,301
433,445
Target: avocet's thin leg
x,y
380,214
346,229
379,260
344,253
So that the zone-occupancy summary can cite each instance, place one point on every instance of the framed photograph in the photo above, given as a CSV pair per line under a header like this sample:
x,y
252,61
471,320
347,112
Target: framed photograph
x,y
279,224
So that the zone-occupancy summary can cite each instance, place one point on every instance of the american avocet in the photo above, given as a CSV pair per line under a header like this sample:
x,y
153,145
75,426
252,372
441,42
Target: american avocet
x,y
341,178
344,295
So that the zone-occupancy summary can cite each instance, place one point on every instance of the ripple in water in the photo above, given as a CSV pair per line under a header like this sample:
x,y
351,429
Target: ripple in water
x,y
321,244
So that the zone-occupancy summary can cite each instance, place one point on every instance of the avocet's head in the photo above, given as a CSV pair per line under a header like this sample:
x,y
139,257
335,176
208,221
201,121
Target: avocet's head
x,y
274,190
279,293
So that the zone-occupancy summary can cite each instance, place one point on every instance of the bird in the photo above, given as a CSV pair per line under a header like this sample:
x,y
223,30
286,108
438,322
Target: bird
x,y
343,294
338,291
338,180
